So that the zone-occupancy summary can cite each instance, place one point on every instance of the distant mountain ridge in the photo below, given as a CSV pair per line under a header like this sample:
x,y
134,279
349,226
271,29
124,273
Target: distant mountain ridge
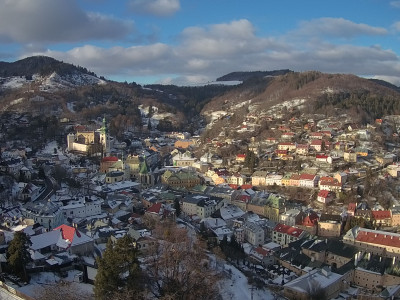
x,y
41,65
43,85
243,76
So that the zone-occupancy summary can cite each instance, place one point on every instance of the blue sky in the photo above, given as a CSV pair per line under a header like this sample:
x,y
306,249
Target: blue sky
x,y
195,41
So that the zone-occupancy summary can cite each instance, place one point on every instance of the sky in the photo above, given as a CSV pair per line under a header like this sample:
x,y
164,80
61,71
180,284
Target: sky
x,y
187,42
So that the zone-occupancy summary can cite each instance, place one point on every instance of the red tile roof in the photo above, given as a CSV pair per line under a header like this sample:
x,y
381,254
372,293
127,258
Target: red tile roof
x,y
293,231
381,214
68,232
371,237
246,186
352,206
323,193
310,220
109,159
305,176
155,208
261,251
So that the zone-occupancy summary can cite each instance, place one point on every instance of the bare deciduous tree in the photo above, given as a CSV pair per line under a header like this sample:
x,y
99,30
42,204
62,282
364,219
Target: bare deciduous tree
x,y
177,267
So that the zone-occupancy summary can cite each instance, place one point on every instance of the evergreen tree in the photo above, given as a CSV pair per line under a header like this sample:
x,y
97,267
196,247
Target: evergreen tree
x,y
118,270
41,174
18,255
177,207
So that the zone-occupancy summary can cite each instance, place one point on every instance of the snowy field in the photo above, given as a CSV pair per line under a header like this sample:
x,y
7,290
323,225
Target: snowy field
x,y
47,279
237,287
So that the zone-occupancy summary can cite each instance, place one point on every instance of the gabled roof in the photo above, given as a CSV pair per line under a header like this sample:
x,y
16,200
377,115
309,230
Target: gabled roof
x,y
324,193
381,214
293,231
155,208
305,176
110,159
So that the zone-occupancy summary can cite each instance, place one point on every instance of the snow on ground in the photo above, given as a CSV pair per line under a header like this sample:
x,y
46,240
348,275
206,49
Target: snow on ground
x,y
237,287
288,104
14,82
17,101
70,106
47,279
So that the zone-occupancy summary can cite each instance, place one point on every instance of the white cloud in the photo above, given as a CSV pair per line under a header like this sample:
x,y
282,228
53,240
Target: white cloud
x,y
396,26
337,27
395,4
205,53
224,40
45,21
161,8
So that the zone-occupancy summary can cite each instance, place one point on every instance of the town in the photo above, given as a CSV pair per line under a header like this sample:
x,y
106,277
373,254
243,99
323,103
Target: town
x,y
309,212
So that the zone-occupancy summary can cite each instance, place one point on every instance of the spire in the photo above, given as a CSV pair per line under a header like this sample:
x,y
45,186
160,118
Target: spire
x,y
104,128
144,169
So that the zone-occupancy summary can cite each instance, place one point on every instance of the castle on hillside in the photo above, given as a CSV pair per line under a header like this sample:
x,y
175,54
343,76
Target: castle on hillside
x,y
89,141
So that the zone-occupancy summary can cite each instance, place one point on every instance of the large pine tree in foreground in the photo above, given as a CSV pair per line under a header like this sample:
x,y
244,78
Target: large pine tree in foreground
x,y
18,255
118,271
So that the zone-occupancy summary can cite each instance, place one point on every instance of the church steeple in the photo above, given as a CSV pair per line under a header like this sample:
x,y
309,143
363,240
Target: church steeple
x,y
104,128
104,138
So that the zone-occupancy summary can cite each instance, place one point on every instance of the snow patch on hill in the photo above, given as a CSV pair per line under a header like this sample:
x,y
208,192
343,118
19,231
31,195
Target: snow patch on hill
x,y
17,101
56,82
288,104
14,82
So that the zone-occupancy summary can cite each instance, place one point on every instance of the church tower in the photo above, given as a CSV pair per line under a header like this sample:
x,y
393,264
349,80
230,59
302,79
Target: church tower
x,y
105,138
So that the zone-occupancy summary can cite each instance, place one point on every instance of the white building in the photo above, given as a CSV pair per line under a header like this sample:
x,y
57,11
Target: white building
x,y
253,233
82,208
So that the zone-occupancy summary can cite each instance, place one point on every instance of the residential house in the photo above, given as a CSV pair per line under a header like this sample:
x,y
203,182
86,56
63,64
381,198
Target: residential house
x,y
287,135
351,209
240,157
287,146
183,144
329,184
302,149
107,163
262,256
325,196
257,203
395,212
46,213
259,178
329,225
285,234
322,158
273,179
329,281
393,169
63,238
316,135
382,218
350,156
274,207
236,178
253,233
295,180
183,159
291,217
160,211
308,222
308,180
